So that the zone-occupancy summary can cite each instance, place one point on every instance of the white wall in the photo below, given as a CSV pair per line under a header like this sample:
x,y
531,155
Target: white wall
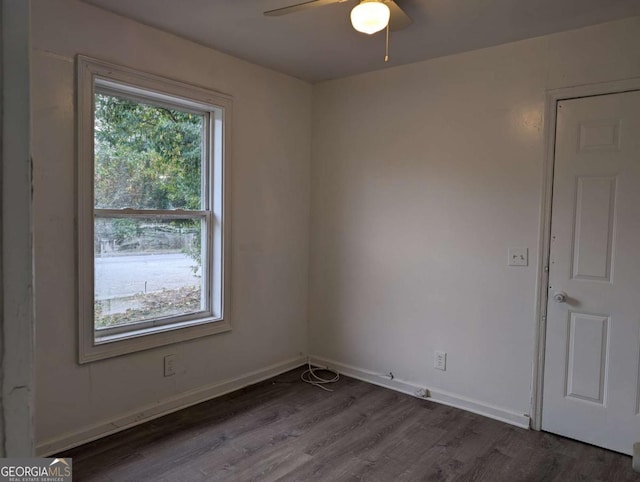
x,y
270,222
422,177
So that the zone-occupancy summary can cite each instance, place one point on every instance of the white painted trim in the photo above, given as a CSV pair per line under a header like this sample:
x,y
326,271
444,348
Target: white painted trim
x,y
163,407
420,391
17,342
552,98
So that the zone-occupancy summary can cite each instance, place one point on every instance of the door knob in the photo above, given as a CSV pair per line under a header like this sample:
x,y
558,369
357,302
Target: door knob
x,y
560,297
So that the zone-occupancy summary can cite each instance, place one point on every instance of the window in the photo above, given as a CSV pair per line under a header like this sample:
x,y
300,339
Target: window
x,y
151,210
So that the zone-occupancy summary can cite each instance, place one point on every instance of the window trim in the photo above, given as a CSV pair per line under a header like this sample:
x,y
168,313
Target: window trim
x,y
158,90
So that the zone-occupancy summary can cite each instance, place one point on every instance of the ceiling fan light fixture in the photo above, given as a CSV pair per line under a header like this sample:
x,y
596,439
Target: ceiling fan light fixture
x,y
370,16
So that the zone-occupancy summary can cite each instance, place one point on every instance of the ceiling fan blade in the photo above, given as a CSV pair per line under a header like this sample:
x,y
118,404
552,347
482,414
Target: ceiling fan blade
x,y
398,20
300,6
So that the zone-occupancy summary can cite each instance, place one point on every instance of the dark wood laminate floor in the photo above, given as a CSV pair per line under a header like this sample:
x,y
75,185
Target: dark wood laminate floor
x,y
283,429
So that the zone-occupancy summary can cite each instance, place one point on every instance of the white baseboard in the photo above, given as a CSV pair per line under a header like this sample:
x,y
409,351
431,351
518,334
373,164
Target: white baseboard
x,y
193,397
434,395
163,407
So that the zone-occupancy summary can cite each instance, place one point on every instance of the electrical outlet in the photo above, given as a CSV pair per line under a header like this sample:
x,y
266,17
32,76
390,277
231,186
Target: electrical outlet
x,y
440,360
170,362
422,393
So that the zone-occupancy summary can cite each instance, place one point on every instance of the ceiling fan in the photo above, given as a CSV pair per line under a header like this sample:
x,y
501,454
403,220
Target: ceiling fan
x,y
369,16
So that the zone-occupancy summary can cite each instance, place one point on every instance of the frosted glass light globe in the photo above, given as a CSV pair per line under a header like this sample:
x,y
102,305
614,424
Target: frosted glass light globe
x,y
370,16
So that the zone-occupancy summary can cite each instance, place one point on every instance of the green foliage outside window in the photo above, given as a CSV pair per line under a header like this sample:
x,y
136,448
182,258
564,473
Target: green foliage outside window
x,y
147,157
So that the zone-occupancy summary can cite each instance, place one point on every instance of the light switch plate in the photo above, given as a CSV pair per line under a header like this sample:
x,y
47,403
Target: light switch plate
x,y
518,256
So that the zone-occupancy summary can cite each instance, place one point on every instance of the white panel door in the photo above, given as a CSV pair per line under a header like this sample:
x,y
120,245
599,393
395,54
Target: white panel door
x,y
592,353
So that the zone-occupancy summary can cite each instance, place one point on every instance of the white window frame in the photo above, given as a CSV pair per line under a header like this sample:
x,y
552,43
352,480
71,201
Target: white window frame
x,y
97,75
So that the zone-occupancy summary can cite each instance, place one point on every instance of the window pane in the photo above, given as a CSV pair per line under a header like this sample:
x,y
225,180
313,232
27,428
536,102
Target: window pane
x,y
146,157
147,269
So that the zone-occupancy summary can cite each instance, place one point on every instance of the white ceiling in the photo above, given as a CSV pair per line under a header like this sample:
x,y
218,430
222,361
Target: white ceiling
x,y
319,43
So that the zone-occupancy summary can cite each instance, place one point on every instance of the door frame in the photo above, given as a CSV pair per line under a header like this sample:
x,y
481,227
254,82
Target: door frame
x,y
552,98
17,322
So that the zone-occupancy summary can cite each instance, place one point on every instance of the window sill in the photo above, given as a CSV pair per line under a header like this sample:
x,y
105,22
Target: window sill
x,y
144,339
